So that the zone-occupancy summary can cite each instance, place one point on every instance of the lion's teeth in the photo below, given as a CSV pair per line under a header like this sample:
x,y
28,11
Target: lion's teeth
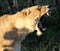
x,y
48,14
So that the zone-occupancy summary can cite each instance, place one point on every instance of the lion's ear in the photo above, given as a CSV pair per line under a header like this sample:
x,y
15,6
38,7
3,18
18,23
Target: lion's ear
x,y
27,12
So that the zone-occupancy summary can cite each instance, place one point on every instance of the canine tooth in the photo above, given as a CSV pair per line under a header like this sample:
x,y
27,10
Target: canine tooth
x,y
48,14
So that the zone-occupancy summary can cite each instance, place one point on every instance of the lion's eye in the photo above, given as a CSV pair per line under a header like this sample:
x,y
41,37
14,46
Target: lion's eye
x,y
39,8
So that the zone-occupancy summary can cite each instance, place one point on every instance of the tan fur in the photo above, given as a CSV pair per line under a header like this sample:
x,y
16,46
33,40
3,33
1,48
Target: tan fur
x,y
18,24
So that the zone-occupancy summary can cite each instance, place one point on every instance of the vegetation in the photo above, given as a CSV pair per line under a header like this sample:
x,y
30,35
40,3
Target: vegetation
x,y
50,39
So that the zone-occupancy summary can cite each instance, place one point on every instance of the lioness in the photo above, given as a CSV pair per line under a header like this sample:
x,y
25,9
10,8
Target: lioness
x,y
14,28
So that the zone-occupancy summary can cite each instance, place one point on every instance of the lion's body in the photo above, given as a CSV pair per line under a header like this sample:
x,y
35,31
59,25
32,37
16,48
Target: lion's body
x,y
16,23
